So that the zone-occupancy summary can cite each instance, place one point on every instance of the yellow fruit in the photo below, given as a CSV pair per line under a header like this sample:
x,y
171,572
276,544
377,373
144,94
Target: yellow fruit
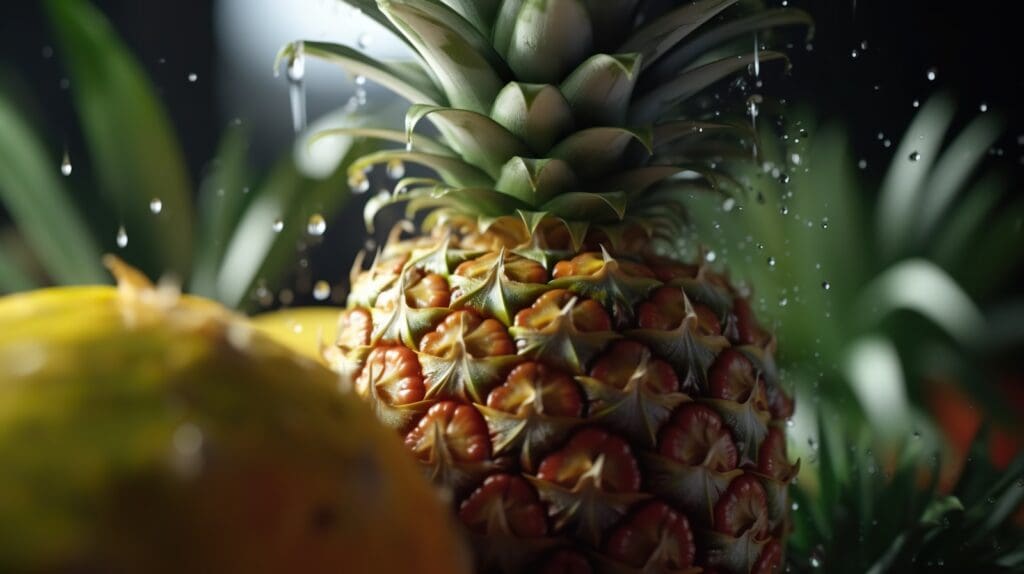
x,y
304,330
143,432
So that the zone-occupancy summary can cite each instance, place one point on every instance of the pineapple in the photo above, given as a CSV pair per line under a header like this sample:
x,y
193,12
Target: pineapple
x,y
589,402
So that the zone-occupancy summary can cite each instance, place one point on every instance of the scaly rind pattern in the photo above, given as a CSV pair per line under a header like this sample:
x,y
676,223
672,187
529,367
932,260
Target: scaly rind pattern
x,y
568,367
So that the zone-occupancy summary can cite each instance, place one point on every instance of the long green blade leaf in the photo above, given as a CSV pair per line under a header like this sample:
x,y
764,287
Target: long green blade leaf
x,y
41,206
134,151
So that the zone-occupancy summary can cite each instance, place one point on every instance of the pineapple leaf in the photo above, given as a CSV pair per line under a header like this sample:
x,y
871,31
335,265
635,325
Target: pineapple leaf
x,y
419,142
594,152
417,89
635,181
952,170
599,207
221,201
538,114
658,37
479,13
900,199
467,68
946,305
135,154
550,38
661,99
12,277
451,169
535,181
477,138
505,23
671,132
599,90
693,48
47,218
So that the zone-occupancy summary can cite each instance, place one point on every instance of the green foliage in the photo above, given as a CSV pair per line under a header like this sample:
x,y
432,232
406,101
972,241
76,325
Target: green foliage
x,y
864,505
221,248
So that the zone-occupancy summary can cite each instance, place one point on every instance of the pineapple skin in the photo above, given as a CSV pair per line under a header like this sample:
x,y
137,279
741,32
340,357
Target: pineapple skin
x,y
590,410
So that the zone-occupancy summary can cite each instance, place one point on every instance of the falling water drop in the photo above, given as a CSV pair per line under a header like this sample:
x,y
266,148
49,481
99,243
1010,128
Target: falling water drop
x,y
983,107
408,145
728,204
757,58
916,103
277,226
862,164
771,262
396,169
317,225
932,74
297,85
156,205
193,78
710,256
914,155
826,285
65,164
321,290
358,182
122,237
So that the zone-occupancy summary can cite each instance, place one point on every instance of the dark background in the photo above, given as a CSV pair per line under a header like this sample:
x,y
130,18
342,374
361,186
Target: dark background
x,y
973,46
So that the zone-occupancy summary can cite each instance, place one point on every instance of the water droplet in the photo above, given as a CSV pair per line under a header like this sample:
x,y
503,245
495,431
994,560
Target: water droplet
x,y
728,204
321,290
408,145
915,155
795,158
983,107
854,54
863,164
826,285
296,86
122,237
156,205
396,169
783,302
317,225
277,226
65,164
863,44
916,103
358,182
795,506
932,74
887,143
757,57
771,262
287,297
193,78
264,296
824,225
710,256
784,210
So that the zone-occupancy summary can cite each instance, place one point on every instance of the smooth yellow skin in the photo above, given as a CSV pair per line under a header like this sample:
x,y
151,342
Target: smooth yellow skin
x,y
141,432
304,329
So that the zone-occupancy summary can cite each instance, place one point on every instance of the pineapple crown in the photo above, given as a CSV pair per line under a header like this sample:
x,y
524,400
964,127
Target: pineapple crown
x,y
564,115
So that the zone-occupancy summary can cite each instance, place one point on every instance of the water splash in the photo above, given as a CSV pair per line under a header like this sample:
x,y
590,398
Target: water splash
x,y
297,85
